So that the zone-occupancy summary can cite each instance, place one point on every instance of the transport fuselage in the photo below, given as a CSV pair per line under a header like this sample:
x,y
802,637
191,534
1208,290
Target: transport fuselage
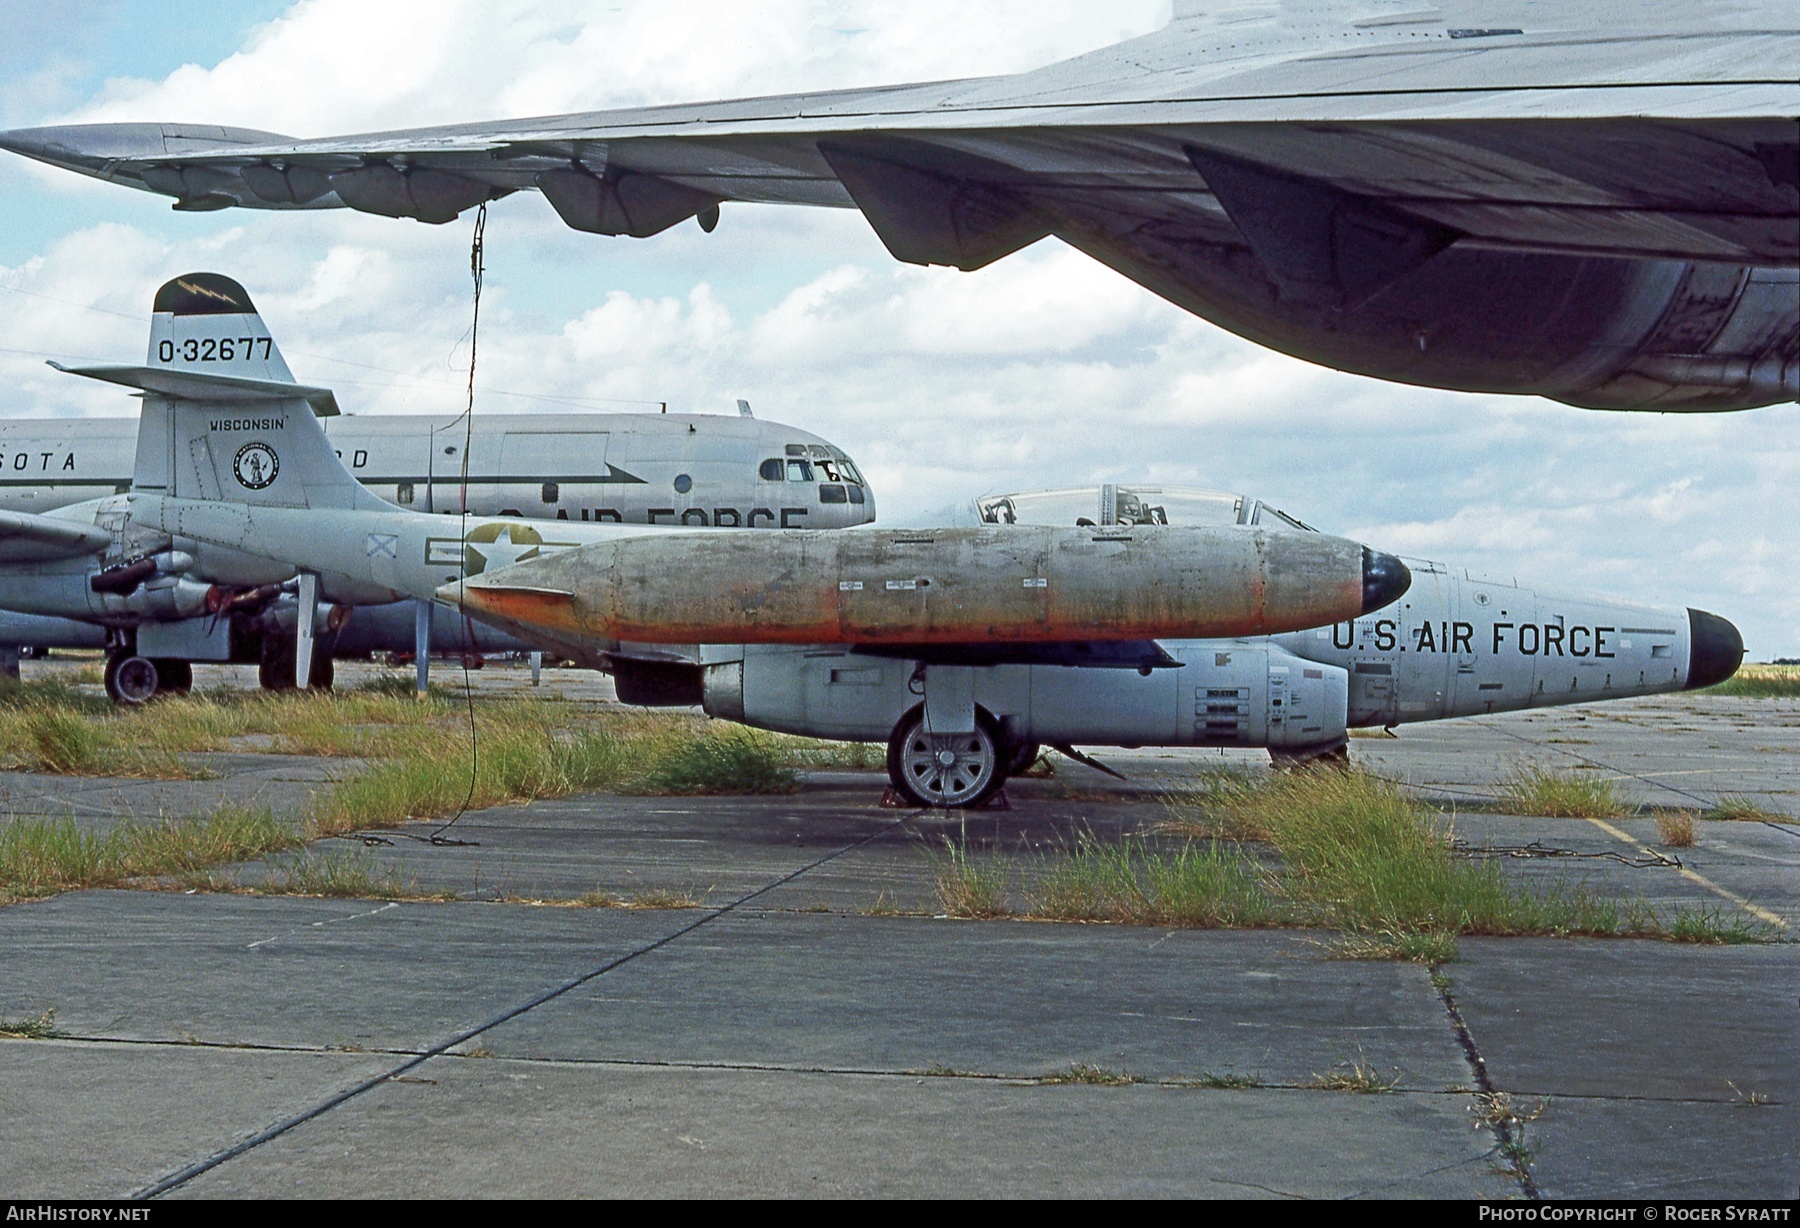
x,y
692,469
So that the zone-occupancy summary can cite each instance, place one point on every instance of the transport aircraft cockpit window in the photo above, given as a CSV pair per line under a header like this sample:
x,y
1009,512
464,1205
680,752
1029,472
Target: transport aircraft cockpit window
x,y
773,470
838,469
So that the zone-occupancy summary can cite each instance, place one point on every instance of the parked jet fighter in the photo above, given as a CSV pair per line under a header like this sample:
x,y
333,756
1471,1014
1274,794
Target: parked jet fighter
x,y
691,469
236,480
1596,202
1452,645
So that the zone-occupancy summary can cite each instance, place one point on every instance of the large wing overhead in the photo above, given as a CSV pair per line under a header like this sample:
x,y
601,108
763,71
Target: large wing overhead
x,y
1285,169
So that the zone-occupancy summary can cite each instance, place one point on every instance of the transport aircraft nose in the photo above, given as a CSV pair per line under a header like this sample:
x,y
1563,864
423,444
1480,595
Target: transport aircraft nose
x,y
1385,579
1715,649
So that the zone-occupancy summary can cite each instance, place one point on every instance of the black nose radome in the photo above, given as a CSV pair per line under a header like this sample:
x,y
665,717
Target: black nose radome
x,y
1385,580
1715,649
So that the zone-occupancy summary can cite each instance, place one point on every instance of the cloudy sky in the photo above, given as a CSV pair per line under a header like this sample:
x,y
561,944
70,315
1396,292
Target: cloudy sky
x,y
1044,369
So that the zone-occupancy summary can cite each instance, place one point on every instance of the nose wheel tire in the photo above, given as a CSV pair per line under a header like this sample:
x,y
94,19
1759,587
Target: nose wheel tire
x,y
130,680
954,770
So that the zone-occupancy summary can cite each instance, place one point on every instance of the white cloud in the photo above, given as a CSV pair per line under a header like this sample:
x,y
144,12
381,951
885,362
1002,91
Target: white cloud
x,y
331,66
1043,369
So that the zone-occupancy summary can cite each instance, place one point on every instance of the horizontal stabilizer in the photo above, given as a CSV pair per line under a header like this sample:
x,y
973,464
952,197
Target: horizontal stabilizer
x,y
205,386
26,536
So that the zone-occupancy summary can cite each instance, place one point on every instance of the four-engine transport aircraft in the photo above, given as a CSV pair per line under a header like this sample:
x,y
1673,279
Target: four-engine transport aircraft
x,y
236,472
1595,202
1453,645
630,468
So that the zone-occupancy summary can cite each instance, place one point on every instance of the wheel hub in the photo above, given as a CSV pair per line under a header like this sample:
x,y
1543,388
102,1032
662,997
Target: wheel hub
x,y
949,769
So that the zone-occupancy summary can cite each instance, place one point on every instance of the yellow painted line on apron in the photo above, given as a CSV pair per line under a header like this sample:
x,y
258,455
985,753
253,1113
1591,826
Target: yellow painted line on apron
x,y
1760,913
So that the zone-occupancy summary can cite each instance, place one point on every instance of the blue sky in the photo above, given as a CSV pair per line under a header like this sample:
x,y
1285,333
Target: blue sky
x,y
1042,370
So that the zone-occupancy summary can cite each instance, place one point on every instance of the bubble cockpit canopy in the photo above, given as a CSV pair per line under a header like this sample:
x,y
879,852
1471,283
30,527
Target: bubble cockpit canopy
x,y
1112,504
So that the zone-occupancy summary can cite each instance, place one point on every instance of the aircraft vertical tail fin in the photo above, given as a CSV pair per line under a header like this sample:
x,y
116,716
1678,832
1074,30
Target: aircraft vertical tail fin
x,y
223,419
204,322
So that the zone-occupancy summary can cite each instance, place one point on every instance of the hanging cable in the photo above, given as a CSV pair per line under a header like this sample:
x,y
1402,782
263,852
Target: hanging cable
x,y
477,266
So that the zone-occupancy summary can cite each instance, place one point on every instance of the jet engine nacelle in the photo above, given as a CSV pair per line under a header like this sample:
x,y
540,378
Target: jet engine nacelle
x,y
1225,693
1596,332
1456,645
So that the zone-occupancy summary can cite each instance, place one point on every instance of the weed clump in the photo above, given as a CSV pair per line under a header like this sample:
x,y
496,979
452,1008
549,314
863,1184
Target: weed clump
x,y
1220,1080
1564,795
57,740
1676,830
1367,859
1714,927
738,761
44,856
1357,854
342,875
1357,1076
52,693
42,1027
1407,946
969,888
1352,853
1196,885
1091,1075
1735,807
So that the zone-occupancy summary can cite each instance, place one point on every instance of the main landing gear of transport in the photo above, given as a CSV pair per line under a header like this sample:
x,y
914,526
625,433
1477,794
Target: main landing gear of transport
x,y
276,673
132,680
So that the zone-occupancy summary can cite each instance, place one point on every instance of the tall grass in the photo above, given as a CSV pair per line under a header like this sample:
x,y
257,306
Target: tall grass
x,y
533,758
1196,885
46,728
1370,859
1734,807
970,887
48,693
44,856
59,741
1352,853
1760,682
341,875
735,761
535,748
1564,795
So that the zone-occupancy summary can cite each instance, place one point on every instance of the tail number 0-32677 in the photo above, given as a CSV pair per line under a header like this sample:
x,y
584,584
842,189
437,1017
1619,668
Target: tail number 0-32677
x,y
214,349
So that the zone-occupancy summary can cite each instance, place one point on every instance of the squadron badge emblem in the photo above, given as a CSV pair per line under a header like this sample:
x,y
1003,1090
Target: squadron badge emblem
x,y
255,465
